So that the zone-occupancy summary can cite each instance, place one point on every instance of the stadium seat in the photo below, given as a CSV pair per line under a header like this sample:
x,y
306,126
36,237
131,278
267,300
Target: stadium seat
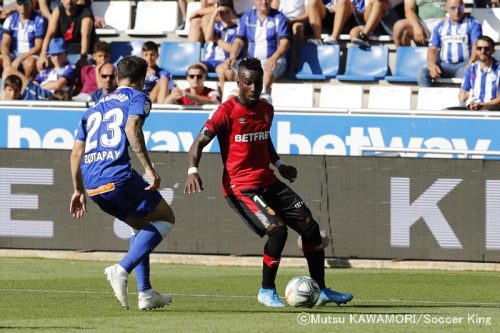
x,y
366,64
318,62
176,57
230,89
490,21
192,6
293,95
389,97
154,18
408,60
122,49
437,98
117,16
341,96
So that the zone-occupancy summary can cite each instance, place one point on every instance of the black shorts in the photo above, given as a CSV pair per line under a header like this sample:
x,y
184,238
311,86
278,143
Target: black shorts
x,y
259,208
327,23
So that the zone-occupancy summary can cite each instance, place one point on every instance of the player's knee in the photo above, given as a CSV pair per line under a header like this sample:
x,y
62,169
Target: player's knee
x,y
278,233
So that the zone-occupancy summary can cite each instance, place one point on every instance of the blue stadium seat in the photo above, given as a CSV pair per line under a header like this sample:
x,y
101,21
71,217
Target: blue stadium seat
x,y
366,64
122,49
408,60
176,57
318,62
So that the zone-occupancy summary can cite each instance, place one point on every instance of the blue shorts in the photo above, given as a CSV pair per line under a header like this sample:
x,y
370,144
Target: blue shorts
x,y
126,198
211,64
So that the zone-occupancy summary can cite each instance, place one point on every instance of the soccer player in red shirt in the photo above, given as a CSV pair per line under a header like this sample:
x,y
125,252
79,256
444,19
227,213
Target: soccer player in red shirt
x,y
268,206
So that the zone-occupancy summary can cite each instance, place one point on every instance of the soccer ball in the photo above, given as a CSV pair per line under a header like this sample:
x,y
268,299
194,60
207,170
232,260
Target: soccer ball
x,y
302,291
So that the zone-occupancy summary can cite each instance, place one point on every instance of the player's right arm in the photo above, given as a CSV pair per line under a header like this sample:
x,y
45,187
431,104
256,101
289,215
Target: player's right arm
x,y
135,136
78,205
193,181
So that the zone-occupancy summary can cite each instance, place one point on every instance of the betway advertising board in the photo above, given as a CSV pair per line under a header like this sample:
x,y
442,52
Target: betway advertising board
x,y
292,133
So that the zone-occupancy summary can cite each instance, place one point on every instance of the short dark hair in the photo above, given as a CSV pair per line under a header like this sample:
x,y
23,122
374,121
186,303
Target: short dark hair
x,y
133,68
13,81
150,46
253,64
103,47
488,40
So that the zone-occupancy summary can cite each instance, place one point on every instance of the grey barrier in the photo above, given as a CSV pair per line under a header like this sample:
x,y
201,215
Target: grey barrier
x,y
370,207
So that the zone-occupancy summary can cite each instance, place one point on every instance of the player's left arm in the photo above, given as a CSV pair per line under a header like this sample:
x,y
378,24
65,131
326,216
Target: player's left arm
x,y
78,204
286,171
135,136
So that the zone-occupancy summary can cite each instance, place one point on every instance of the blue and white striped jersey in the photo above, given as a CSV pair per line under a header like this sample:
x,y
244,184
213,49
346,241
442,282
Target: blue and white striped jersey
x,y
227,34
483,86
455,40
262,36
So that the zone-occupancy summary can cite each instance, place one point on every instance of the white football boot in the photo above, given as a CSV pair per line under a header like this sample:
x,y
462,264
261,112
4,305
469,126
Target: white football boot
x,y
118,279
150,299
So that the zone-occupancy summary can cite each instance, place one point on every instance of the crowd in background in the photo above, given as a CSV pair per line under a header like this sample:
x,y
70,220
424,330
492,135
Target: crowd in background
x,y
50,50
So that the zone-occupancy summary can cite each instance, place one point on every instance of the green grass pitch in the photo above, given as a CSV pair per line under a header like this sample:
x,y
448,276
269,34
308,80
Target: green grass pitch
x,y
38,295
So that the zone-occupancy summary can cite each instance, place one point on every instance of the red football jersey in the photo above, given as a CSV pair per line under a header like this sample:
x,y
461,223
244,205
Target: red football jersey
x,y
244,136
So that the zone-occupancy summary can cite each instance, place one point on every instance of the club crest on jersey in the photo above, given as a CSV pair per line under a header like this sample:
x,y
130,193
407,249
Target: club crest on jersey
x,y
241,120
266,117
147,107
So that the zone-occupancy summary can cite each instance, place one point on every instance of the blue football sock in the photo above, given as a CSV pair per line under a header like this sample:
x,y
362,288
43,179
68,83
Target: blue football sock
x,y
141,271
145,242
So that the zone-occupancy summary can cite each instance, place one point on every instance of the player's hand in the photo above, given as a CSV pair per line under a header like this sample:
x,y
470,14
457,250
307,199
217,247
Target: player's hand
x,y
153,178
288,172
229,63
193,184
78,205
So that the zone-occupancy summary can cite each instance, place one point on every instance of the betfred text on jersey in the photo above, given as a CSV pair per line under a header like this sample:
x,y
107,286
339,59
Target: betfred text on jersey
x,y
251,137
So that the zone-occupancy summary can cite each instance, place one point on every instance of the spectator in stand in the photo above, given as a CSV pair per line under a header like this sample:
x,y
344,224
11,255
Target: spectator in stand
x,y
107,78
199,21
267,34
377,12
197,93
12,88
481,86
23,33
63,75
219,40
158,81
89,74
182,8
454,38
333,17
297,16
75,24
418,27
16,86
47,6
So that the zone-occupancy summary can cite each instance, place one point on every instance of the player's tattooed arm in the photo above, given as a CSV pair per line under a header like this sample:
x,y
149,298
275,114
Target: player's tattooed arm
x,y
135,136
